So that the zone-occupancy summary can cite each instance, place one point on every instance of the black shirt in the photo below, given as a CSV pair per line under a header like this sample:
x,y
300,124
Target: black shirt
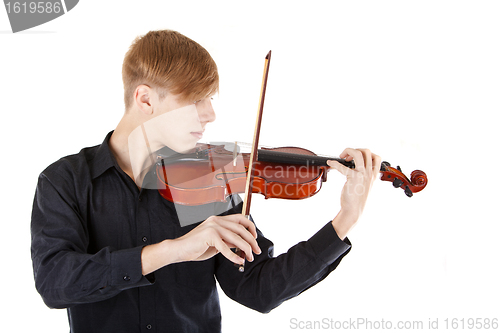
x,y
89,224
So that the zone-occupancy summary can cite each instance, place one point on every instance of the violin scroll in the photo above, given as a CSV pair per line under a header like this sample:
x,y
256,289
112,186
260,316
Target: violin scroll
x,y
416,183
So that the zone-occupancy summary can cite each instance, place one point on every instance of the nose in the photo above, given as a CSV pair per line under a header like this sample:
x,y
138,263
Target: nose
x,y
205,110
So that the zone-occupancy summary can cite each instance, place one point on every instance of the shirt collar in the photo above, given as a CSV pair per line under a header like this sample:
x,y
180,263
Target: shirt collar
x,y
103,159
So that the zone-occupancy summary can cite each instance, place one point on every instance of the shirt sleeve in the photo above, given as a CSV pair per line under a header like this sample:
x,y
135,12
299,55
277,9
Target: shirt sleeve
x,y
268,281
65,274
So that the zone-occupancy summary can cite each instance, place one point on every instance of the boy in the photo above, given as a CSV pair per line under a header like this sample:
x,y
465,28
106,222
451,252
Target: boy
x,y
120,258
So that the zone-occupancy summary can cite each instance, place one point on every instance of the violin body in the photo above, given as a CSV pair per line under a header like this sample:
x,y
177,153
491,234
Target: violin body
x,y
211,173
215,173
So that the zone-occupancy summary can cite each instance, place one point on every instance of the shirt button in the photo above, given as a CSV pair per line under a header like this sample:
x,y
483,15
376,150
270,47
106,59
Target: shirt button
x,y
126,278
149,326
144,239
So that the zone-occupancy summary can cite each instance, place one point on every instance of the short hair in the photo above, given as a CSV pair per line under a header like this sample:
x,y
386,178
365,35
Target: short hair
x,y
168,61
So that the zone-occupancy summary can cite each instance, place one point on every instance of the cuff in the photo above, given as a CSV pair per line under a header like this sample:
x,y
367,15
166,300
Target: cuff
x,y
327,245
126,269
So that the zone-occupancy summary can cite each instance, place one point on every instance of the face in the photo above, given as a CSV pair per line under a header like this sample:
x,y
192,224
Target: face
x,y
176,123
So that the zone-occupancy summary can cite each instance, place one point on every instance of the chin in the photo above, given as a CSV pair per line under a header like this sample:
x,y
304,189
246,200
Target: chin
x,y
183,147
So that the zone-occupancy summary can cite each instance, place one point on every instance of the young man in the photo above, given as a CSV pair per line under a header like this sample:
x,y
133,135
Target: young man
x,y
121,258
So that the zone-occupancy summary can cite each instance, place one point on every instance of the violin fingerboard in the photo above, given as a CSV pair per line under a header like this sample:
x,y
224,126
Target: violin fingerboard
x,y
298,159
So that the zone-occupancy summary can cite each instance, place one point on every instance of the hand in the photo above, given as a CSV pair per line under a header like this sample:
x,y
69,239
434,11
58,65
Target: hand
x,y
216,234
220,234
357,187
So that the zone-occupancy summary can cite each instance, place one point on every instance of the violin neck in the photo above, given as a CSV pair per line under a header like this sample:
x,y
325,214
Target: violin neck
x,y
273,156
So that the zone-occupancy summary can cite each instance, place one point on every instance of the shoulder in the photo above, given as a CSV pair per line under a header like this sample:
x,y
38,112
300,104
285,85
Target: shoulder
x,y
71,176
71,165
85,165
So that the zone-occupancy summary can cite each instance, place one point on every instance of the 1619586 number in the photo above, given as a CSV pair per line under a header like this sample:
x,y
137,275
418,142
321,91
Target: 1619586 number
x,y
33,7
471,323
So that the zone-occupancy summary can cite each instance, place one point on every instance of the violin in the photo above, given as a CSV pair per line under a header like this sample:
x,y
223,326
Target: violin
x,y
211,173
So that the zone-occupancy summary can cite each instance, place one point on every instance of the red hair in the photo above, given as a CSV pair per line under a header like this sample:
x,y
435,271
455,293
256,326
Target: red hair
x,y
169,62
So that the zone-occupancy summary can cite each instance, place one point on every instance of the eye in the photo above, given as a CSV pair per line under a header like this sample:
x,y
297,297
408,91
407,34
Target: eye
x,y
197,101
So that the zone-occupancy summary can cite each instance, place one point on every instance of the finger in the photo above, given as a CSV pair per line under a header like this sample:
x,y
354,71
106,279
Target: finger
x,y
241,220
247,237
377,162
234,235
239,252
367,156
232,239
224,249
250,236
355,155
338,166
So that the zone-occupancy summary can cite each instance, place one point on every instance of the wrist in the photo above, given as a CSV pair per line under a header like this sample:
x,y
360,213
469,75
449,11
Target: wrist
x,y
343,223
158,255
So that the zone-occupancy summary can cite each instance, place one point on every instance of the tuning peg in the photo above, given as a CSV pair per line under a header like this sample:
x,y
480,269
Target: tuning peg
x,y
397,182
408,192
384,165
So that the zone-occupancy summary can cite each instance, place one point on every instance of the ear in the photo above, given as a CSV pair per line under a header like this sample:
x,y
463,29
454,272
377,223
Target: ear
x,y
142,98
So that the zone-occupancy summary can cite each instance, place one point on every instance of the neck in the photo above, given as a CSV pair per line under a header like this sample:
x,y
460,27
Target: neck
x,y
118,144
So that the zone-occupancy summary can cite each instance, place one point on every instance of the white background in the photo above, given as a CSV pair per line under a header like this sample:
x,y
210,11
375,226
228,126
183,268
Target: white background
x,y
417,82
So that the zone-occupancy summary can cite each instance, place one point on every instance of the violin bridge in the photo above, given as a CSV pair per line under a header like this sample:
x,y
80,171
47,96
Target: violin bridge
x,y
235,152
